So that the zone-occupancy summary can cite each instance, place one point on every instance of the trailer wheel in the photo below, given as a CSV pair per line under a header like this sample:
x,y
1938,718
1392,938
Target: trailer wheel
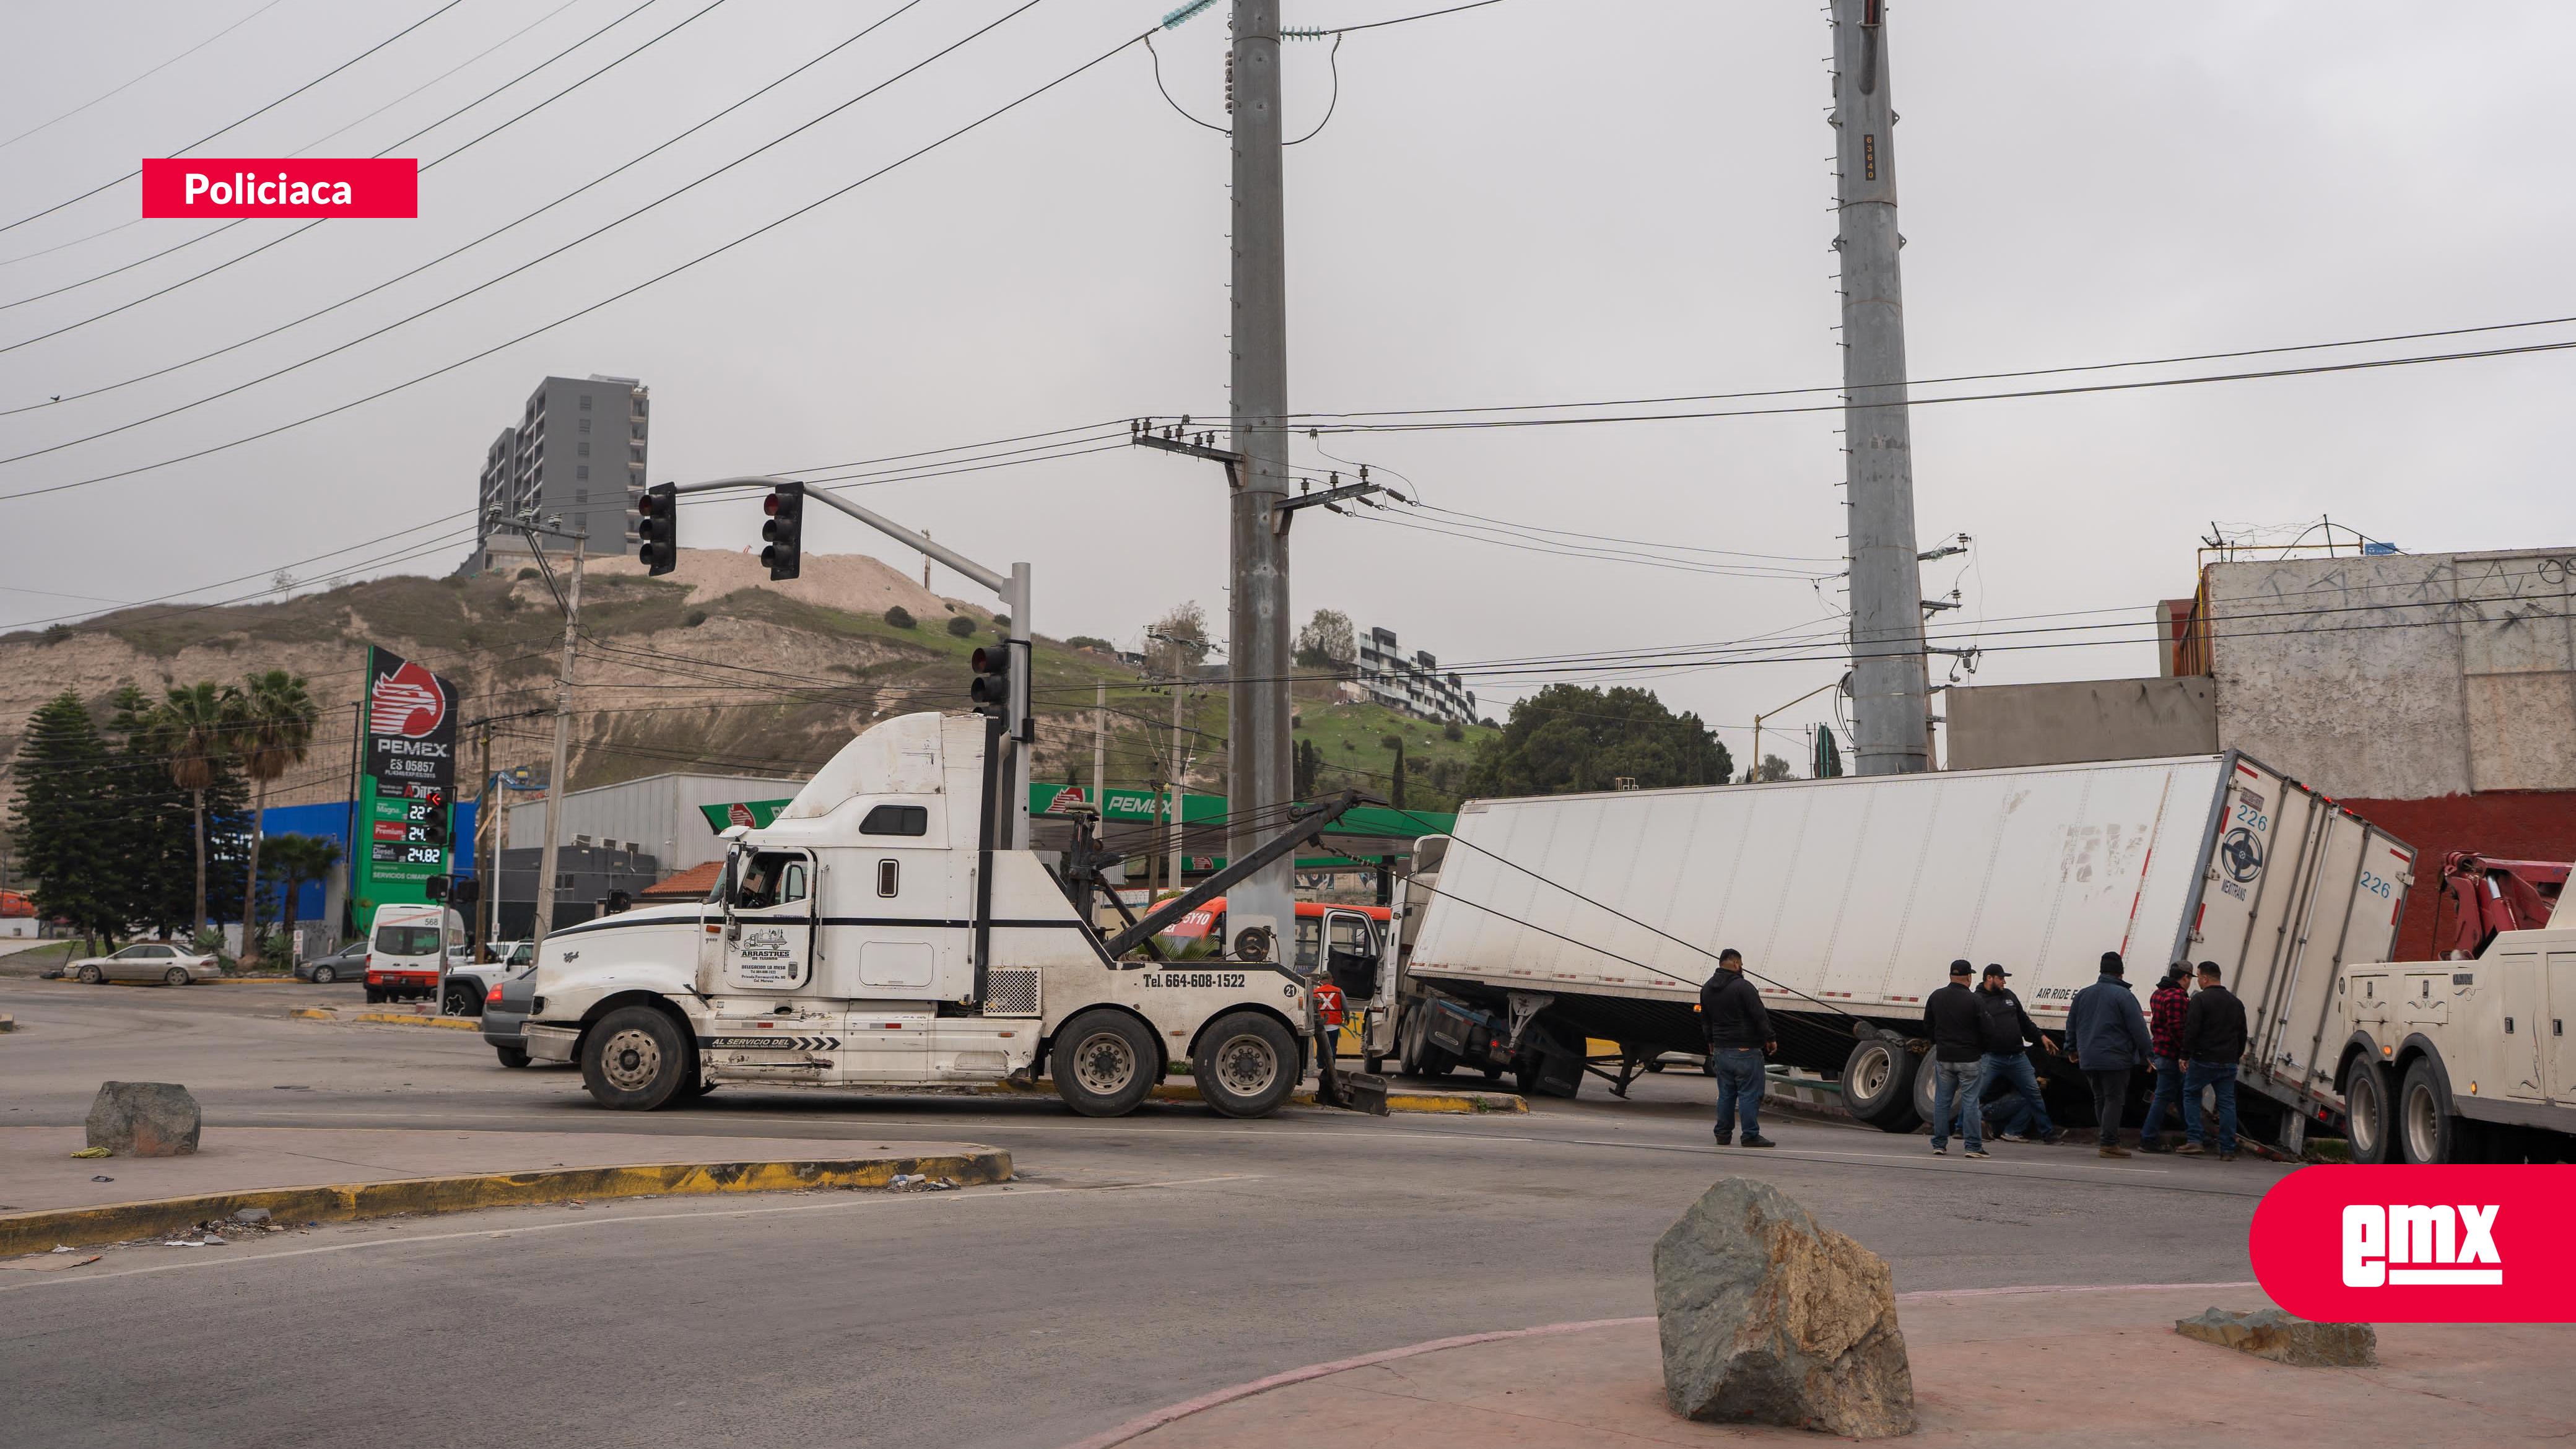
x,y
635,1060
2426,1132
1878,1085
1246,1064
1103,1063
2368,1120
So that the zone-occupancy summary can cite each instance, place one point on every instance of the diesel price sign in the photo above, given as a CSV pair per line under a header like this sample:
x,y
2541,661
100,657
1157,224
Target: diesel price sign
x,y
407,784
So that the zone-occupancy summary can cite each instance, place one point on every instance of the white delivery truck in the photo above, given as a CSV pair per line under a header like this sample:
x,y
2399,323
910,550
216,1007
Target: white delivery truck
x,y
407,948
875,935
1546,923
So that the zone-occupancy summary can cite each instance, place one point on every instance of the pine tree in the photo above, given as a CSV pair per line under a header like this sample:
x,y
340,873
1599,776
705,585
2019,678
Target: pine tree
x,y
63,788
154,836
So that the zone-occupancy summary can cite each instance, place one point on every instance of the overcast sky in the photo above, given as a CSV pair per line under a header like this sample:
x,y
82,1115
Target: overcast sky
x,y
1534,201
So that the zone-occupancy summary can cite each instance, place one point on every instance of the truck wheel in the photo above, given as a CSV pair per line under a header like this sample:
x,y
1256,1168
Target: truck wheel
x,y
1103,1063
1878,1085
635,1060
2426,1133
1246,1064
2368,1122
512,1056
463,1000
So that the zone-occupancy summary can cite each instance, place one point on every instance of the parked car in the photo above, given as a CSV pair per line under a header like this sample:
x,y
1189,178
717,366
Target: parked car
x,y
162,961
349,963
505,1011
470,982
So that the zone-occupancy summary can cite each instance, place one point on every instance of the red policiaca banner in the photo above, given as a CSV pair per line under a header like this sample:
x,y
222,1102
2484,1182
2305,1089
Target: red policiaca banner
x,y
2419,1244
309,187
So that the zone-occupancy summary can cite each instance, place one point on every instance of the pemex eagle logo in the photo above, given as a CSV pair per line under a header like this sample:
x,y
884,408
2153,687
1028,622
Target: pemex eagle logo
x,y
407,702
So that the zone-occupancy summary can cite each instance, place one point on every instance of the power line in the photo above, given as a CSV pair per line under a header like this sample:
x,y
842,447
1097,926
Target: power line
x,y
609,300
466,247
264,110
289,235
145,76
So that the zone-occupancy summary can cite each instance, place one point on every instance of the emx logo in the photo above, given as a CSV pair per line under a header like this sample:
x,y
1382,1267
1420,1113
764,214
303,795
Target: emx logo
x,y
2419,1244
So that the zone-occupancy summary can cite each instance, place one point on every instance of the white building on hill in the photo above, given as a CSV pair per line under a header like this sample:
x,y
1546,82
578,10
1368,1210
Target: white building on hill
x,y
1411,684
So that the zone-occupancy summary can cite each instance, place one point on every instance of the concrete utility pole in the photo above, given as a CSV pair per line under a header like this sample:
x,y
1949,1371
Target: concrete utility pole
x,y
1890,717
1099,746
1179,764
563,742
1260,772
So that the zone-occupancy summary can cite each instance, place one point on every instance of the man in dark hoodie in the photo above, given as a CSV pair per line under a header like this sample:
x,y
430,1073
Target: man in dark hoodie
x,y
1958,1032
2213,1041
2106,1035
1739,1034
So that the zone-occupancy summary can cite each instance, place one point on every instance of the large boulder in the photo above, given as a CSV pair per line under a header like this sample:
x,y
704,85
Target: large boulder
x,y
1767,1318
144,1119
2270,1333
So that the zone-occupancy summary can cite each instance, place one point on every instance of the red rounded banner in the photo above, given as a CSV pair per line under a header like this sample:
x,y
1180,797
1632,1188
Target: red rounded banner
x,y
2419,1244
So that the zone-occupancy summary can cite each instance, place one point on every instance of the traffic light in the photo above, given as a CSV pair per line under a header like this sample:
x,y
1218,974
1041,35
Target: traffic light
x,y
991,690
657,528
436,887
785,531
464,892
433,819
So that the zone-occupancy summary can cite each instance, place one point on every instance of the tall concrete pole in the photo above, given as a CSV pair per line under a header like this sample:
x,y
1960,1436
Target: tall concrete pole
x,y
556,781
1259,769
1890,719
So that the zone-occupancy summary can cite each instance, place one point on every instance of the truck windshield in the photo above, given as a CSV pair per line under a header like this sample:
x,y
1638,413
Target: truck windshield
x,y
407,940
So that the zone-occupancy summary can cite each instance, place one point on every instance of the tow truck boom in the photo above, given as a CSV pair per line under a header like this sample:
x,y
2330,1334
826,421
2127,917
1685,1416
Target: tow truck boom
x,y
1305,828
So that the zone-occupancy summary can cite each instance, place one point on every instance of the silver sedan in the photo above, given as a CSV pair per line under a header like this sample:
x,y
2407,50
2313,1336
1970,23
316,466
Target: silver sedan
x,y
151,961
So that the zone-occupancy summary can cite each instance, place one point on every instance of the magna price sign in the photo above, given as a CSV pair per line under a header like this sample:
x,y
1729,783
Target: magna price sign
x,y
411,723
2419,1244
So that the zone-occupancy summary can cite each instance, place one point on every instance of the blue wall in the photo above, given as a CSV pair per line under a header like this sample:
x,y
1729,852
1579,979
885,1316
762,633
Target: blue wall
x,y
331,822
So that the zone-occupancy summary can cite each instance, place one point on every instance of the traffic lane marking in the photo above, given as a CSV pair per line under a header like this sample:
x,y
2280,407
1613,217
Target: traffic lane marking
x,y
689,1210
1823,1157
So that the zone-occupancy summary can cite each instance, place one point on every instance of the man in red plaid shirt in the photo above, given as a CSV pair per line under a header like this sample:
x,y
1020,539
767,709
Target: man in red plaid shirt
x,y
2164,1024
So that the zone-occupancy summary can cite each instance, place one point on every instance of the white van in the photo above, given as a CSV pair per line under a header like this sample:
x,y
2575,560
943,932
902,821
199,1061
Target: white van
x,y
403,948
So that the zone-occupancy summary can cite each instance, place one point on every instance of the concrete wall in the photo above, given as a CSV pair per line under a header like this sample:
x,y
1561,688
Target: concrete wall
x,y
2004,725
2404,676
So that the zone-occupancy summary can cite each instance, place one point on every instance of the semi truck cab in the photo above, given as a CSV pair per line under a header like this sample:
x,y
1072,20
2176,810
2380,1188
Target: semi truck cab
x,y
875,935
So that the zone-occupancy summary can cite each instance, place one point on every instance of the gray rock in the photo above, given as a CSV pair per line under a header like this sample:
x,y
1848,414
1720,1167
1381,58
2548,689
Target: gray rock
x,y
1767,1318
144,1119
2270,1333
252,1215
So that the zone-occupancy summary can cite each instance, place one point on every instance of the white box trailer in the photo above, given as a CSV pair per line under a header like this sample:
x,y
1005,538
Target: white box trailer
x,y
1546,922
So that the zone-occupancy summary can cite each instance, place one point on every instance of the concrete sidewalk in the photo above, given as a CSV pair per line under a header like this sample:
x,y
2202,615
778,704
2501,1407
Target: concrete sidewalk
x,y
2050,1366
338,1174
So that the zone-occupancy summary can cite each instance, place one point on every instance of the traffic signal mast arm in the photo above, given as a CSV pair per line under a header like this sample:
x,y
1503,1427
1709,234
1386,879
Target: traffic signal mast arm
x,y
1013,589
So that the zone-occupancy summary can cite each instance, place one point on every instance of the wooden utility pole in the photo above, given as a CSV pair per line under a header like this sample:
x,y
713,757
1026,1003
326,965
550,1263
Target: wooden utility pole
x,y
563,743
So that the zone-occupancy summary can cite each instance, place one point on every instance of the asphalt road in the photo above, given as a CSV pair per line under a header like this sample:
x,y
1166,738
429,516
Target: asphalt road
x,y
1136,1262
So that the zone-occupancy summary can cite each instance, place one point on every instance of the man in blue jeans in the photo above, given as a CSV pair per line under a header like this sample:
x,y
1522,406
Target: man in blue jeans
x,y
1739,1033
2213,1041
1957,1028
2009,1034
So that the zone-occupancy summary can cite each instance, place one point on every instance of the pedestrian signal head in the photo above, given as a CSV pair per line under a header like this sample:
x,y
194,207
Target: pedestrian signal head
x,y
783,534
657,528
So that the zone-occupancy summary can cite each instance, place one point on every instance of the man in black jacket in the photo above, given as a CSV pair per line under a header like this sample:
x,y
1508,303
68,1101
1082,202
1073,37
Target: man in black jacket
x,y
1739,1033
2009,1031
2213,1042
1958,1032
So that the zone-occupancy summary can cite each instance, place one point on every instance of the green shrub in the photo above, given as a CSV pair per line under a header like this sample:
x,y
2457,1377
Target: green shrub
x,y
961,627
1452,732
699,616
900,617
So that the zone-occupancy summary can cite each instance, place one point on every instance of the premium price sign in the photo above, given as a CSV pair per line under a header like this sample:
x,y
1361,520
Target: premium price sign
x,y
407,784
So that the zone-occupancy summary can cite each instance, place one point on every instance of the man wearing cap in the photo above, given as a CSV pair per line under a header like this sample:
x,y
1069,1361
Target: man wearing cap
x,y
2008,1034
1957,1029
2106,1035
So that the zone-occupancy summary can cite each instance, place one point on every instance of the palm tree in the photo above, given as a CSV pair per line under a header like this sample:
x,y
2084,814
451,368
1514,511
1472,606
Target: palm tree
x,y
194,728
275,728
294,860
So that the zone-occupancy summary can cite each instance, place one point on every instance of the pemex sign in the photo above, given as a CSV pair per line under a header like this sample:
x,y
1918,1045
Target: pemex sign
x,y
406,783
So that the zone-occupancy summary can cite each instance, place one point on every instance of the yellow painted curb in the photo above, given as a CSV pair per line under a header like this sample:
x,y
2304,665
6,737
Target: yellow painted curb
x,y
349,1202
404,1018
314,1013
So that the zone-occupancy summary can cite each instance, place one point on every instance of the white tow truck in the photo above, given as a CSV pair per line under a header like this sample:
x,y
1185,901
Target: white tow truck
x,y
875,935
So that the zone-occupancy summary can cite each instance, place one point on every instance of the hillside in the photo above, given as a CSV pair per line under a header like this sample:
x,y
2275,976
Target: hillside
x,y
712,668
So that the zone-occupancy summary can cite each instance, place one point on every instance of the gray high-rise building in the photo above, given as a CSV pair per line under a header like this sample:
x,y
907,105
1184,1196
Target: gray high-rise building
x,y
577,454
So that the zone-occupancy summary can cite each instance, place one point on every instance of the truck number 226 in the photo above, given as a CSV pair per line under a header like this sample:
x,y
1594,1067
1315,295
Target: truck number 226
x,y
2376,885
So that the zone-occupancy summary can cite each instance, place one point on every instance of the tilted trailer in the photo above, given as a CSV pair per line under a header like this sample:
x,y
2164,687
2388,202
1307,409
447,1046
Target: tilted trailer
x,y
1543,924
